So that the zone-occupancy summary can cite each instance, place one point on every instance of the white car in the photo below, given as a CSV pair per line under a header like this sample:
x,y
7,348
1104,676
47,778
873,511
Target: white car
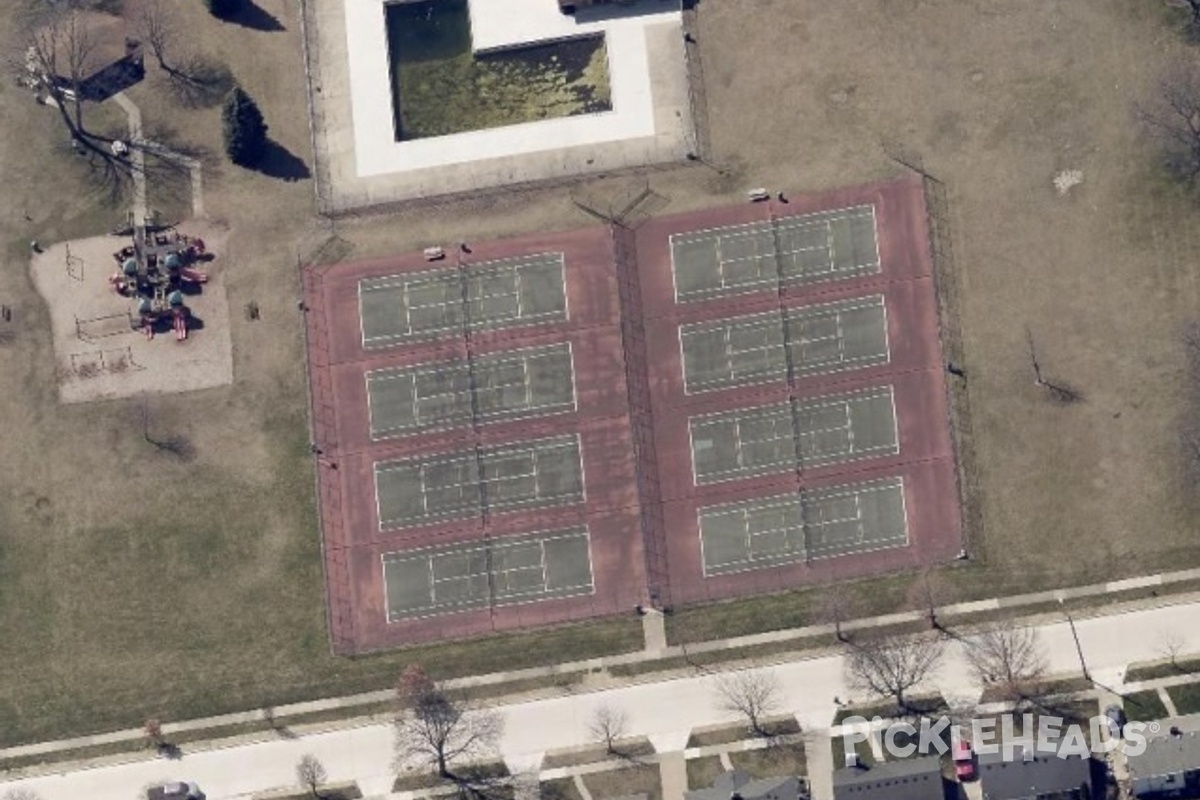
x,y
175,790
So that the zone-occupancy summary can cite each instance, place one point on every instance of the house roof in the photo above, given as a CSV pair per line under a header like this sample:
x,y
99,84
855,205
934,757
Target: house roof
x,y
1165,755
784,788
1019,778
907,779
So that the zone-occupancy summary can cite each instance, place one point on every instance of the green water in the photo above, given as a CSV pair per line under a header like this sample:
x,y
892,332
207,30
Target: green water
x,y
439,87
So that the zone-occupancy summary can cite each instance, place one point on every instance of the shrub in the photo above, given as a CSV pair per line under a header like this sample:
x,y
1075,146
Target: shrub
x,y
223,8
244,129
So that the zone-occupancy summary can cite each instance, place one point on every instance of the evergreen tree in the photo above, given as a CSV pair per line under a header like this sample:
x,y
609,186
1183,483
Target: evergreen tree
x,y
223,8
245,131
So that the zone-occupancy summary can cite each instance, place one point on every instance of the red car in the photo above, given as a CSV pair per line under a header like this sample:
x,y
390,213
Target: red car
x,y
964,760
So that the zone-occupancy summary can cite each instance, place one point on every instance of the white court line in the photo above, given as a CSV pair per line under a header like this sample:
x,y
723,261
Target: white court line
x,y
791,315
842,363
488,361
539,538
773,227
474,271
812,217
896,483
726,327
895,420
571,368
737,416
785,500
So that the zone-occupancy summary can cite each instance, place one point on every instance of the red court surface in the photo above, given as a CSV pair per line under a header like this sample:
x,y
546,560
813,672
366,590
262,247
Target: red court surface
x,y
632,418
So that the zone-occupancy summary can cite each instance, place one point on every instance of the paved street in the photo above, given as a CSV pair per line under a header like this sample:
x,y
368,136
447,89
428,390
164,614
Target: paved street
x,y
665,711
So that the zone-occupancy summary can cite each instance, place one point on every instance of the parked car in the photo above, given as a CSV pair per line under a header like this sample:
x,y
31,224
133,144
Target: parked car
x,y
175,790
964,760
1116,720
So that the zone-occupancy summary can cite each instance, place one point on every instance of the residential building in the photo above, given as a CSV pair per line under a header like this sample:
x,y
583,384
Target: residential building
x,y
1030,775
917,778
1168,767
742,785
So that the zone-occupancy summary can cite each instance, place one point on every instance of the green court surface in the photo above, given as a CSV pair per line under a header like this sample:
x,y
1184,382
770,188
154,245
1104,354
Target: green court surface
x,y
821,523
497,572
467,484
721,354
491,388
808,433
479,297
829,245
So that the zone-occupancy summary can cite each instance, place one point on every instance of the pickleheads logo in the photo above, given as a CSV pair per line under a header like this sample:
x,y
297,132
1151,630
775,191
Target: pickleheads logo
x,y
1051,736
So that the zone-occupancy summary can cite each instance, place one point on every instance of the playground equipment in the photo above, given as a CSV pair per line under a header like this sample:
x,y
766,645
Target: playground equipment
x,y
156,269
157,259
161,307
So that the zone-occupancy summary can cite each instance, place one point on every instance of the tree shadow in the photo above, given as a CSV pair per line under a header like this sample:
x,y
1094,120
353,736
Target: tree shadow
x,y
278,162
253,16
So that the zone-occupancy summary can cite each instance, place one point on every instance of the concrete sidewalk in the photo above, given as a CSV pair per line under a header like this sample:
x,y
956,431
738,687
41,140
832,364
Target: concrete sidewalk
x,y
664,711
656,648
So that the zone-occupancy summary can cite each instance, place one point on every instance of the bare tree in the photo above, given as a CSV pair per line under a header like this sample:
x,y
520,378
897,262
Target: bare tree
x,y
526,785
836,607
196,80
311,773
893,665
1010,656
154,732
60,53
172,444
438,729
927,592
608,724
1056,389
1172,645
1171,120
159,28
752,693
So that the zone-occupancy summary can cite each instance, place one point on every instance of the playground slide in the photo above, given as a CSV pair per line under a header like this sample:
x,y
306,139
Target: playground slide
x,y
193,275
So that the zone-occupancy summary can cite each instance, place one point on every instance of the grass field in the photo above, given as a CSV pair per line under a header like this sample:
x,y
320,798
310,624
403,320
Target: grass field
x,y
772,762
1145,705
703,771
133,584
1186,697
1167,669
442,87
205,595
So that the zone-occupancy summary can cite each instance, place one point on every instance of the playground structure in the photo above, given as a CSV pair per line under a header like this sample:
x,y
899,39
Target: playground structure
x,y
157,270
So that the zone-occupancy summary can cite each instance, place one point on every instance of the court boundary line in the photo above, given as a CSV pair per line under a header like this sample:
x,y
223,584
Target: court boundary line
x,y
686,327
483,509
770,501
781,498
847,364
784,315
486,544
772,226
501,356
790,405
457,271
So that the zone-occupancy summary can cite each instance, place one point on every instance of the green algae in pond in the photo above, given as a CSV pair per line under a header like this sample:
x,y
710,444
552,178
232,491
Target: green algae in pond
x,y
440,87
